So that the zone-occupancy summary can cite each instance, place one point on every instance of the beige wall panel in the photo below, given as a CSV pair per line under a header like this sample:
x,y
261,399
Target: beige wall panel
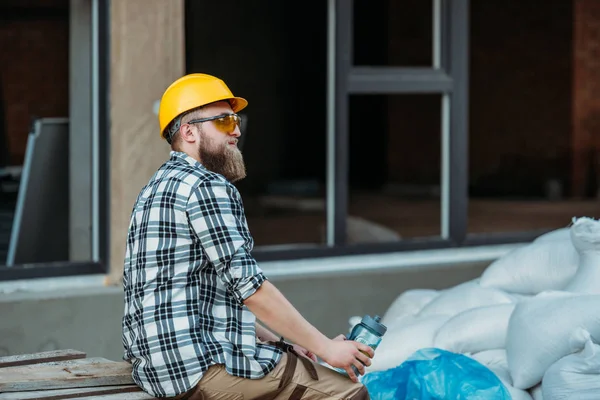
x,y
147,53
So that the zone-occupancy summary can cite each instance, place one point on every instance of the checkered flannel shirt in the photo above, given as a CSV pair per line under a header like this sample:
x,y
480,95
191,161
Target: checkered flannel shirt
x,y
187,271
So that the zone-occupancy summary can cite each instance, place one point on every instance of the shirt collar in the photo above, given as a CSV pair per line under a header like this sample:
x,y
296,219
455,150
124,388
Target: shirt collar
x,y
181,156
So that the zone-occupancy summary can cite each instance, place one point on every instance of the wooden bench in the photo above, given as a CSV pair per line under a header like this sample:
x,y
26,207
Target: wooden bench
x,y
66,374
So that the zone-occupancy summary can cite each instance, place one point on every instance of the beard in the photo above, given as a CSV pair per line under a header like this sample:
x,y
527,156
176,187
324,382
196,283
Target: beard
x,y
226,160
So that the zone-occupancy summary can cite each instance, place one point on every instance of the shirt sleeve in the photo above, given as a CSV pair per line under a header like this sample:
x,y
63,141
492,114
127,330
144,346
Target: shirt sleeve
x,y
217,216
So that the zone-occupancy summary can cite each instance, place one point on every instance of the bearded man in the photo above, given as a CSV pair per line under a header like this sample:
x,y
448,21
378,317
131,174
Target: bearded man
x,y
193,291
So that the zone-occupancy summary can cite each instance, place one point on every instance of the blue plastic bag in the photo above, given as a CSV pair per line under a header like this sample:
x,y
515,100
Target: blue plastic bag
x,y
432,374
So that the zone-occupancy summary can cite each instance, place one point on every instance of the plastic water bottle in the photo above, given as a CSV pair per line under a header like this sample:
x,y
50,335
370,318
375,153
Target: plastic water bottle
x,y
352,322
369,331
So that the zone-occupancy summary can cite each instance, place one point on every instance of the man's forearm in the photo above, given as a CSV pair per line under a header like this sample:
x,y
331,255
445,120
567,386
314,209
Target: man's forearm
x,y
270,306
265,335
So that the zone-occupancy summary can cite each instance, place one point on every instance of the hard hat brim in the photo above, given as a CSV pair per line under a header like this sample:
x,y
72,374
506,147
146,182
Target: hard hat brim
x,y
237,103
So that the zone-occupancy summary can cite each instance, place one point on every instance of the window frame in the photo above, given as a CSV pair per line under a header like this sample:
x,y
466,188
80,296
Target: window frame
x,y
449,76
99,165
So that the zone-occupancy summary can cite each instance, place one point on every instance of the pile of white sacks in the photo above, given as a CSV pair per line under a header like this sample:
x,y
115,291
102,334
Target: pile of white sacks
x,y
533,317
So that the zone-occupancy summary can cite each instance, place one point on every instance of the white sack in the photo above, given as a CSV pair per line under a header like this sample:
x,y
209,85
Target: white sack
x,y
465,296
533,268
504,376
546,328
495,360
585,236
575,376
536,392
409,302
403,340
475,330
557,234
496,357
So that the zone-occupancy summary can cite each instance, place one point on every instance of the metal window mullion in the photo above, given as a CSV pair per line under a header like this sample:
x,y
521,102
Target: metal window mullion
x,y
444,34
331,114
338,131
440,50
95,130
344,58
437,33
459,119
445,178
104,133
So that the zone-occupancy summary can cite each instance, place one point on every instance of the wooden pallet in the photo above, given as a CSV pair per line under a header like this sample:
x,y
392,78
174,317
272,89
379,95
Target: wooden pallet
x,y
66,374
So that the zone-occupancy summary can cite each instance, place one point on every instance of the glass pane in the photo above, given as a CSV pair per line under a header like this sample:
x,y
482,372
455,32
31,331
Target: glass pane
x,y
394,167
34,83
285,139
533,163
393,33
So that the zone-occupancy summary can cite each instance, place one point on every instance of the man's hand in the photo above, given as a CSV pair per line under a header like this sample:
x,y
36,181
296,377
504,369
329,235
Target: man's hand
x,y
303,352
344,354
340,337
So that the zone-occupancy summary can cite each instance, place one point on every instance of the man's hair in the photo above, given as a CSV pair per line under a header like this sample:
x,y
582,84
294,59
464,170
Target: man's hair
x,y
172,130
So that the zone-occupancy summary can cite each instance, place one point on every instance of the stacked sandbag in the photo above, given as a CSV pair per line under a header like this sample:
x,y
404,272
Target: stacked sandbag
x,y
475,330
575,376
534,268
465,296
536,392
585,236
405,333
400,342
496,361
557,234
407,304
546,328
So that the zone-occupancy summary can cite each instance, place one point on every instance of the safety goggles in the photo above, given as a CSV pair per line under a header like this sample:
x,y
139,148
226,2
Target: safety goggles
x,y
225,123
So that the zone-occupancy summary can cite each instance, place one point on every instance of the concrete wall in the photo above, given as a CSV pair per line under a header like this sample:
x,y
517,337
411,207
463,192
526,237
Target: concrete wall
x,y
88,317
85,319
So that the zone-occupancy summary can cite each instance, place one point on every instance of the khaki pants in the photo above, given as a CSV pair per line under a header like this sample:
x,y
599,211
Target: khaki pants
x,y
294,378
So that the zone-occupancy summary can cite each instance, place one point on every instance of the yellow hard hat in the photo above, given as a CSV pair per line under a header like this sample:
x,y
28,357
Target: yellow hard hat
x,y
193,91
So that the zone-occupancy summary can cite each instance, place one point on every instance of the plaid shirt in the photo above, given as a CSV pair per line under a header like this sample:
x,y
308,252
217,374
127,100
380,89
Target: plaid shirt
x,y
187,271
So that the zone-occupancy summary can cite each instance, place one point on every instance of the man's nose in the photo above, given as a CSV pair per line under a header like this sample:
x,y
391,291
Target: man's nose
x,y
236,132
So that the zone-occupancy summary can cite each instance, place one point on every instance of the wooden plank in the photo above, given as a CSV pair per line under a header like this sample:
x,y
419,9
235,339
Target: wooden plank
x,y
124,396
35,358
70,363
77,393
44,377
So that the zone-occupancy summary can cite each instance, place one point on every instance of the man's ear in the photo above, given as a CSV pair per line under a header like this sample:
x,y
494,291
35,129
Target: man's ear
x,y
187,133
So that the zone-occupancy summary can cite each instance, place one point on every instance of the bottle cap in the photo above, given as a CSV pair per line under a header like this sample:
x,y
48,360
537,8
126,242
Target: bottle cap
x,y
374,324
